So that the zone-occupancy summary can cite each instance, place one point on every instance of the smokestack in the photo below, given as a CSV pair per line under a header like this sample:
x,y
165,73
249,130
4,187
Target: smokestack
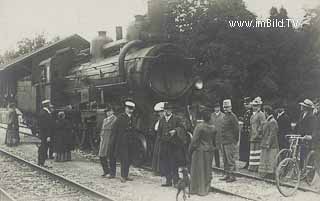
x,y
118,33
97,44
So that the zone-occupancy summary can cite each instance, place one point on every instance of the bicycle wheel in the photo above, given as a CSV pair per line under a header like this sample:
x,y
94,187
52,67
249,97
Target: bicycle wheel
x,y
283,154
310,170
288,177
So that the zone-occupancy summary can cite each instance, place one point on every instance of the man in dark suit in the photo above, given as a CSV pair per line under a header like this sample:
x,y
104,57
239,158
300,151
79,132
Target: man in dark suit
x,y
284,124
120,139
305,126
172,140
46,128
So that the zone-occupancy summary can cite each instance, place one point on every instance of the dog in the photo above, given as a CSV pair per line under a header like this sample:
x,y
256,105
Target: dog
x,y
183,184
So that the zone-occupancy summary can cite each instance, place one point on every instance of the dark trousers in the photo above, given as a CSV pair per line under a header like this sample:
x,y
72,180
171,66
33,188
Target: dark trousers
x,y
229,158
217,158
125,165
42,151
104,164
171,171
113,165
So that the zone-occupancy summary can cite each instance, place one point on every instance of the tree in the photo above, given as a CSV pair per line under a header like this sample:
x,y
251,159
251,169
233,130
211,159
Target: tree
x,y
26,45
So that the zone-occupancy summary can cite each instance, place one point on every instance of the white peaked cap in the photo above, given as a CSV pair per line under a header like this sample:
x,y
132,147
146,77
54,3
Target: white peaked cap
x,y
45,102
159,107
129,103
227,103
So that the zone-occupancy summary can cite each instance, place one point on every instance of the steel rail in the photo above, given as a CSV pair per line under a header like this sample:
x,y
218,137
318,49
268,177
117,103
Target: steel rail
x,y
4,196
59,177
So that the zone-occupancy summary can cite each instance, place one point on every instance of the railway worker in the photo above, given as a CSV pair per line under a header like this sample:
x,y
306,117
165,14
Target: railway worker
x,y
229,138
284,124
269,144
46,128
202,149
172,142
159,108
12,134
305,125
121,136
244,149
105,138
217,120
63,140
256,121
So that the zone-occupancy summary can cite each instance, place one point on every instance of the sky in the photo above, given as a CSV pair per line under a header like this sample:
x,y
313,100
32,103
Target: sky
x,y
19,19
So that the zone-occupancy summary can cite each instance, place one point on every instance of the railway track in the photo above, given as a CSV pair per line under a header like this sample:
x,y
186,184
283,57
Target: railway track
x,y
250,191
4,196
40,182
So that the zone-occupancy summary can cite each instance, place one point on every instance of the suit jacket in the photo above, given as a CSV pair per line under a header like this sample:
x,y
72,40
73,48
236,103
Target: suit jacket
x,y
217,121
270,134
230,129
306,125
316,134
256,122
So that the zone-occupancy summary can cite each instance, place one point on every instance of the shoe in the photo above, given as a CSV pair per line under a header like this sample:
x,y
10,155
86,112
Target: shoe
x,y
129,179
224,178
231,179
166,185
111,177
123,180
104,175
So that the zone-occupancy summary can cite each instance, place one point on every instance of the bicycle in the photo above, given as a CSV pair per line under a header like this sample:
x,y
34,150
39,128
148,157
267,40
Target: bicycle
x,y
288,172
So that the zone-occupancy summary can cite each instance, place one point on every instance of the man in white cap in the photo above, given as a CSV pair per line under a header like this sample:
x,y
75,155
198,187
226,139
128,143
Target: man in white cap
x,y
256,122
229,139
305,125
159,108
46,128
121,133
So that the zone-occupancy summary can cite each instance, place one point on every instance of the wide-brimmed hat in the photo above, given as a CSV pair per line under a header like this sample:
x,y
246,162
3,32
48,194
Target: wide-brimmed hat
x,y
307,103
257,101
168,105
159,106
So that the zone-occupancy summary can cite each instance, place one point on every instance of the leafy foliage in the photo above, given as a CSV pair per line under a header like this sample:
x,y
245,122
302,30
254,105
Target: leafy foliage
x,y
279,64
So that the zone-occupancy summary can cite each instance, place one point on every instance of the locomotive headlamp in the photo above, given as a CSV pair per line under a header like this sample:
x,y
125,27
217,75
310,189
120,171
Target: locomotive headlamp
x,y
198,84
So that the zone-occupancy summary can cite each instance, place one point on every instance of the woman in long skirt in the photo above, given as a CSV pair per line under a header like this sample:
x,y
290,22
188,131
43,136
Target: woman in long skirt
x,y
105,138
12,134
201,149
256,121
269,144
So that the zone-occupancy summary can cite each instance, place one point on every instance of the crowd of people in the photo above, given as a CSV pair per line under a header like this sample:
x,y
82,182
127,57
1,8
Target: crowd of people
x,y
260,134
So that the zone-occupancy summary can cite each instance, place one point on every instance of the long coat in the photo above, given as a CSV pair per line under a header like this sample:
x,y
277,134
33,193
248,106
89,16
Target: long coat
x,y
269,146
284,129
244,149
217,121
63,138
46,124
172,147
256,121
121,137
105,135
201,148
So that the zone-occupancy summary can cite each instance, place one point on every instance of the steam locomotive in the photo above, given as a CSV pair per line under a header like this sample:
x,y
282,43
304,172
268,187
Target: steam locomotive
x,y
144,67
